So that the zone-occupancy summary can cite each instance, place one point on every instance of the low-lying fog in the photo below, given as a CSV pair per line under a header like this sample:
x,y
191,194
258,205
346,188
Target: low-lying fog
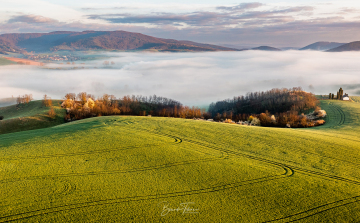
x,y
191,78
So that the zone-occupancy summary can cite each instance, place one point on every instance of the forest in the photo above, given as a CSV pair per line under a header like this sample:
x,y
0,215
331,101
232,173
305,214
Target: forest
x,y
273,108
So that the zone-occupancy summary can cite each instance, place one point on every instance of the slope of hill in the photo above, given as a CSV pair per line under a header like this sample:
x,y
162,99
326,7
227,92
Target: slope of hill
x,y
101,40
266,48
322,46
29,116
353,46
141,169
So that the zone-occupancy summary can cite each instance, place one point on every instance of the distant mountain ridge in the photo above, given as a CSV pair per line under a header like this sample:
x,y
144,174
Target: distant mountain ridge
x,y
322,46
353,46
266,48
97,40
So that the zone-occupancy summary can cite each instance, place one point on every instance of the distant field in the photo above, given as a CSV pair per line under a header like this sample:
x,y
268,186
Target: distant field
x,y
125,169
29,116
24,61
355,98
4,61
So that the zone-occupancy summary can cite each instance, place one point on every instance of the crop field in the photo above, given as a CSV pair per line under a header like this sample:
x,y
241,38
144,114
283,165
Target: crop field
x,y
141,169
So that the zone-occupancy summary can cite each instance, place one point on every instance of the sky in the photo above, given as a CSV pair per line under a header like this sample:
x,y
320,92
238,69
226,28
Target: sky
x,y
286,23
191,78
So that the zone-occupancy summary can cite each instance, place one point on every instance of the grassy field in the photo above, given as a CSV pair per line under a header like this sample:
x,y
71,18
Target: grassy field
x,y
4,61
355,98
133,169
29,116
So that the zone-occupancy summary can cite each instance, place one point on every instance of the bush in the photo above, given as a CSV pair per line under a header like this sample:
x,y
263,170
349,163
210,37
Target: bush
x,y
52,113
1,117
255,121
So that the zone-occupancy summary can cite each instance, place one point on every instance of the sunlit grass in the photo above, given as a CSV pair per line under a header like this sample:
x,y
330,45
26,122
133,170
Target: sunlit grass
x,y
123,169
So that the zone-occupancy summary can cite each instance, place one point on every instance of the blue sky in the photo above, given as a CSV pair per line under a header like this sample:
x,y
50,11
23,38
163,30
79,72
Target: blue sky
x,y
233,23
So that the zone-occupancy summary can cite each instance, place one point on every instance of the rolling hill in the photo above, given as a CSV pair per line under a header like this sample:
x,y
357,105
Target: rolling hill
x,y
147,169
29,117
322,46
99,40
353,46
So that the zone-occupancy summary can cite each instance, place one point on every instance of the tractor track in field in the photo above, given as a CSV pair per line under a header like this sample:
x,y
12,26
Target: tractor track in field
x,y
317,210
337,204
94,173
289,170
61,208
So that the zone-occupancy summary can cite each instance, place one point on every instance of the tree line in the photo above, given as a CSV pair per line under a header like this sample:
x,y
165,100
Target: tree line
x,y
85,105
276,107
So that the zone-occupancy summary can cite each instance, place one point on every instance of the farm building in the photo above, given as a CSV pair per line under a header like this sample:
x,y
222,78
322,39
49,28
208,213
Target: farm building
x,y
339,96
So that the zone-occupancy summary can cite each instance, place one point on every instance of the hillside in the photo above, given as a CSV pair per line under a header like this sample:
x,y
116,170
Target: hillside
x,y
133,169
266,48
353,46
322,46
100,40
29,116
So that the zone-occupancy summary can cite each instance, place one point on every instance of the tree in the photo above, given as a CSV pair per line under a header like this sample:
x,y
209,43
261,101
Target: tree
x,y
47,101
52,113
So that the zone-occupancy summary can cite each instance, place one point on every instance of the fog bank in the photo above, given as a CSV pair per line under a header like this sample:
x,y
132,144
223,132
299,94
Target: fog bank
x,y
191,78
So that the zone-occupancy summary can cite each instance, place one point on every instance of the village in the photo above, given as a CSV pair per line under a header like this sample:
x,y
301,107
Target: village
x,y
46,57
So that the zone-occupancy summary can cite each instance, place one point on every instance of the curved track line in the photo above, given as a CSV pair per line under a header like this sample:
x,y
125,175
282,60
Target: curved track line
x,y
327,207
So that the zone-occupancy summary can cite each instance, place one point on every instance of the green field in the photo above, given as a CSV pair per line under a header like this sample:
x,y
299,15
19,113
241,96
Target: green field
x,y
4,61
29,116
126,169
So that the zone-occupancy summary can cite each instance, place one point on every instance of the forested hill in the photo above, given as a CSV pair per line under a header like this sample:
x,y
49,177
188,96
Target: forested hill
x,y
273,101
97,40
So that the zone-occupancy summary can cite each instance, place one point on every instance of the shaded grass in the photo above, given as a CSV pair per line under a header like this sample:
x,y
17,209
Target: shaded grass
x,y
123,169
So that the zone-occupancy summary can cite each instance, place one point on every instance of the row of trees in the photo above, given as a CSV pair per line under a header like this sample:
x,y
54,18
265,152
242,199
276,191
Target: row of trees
x,y
24,99
85,105
274,108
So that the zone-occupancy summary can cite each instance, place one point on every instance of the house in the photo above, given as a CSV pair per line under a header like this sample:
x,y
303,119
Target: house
x,y
346,97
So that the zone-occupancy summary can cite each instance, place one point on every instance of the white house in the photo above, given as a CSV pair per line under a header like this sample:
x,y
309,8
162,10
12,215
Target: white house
x,y
346,98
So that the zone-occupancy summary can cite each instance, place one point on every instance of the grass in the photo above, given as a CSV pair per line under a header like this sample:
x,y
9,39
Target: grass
x,y
125,169
355,98
29,117
4,61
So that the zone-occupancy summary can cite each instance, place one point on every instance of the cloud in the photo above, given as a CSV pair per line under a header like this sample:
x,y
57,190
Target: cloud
x,y
196,78
31,19
196,18
206,18
242,6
